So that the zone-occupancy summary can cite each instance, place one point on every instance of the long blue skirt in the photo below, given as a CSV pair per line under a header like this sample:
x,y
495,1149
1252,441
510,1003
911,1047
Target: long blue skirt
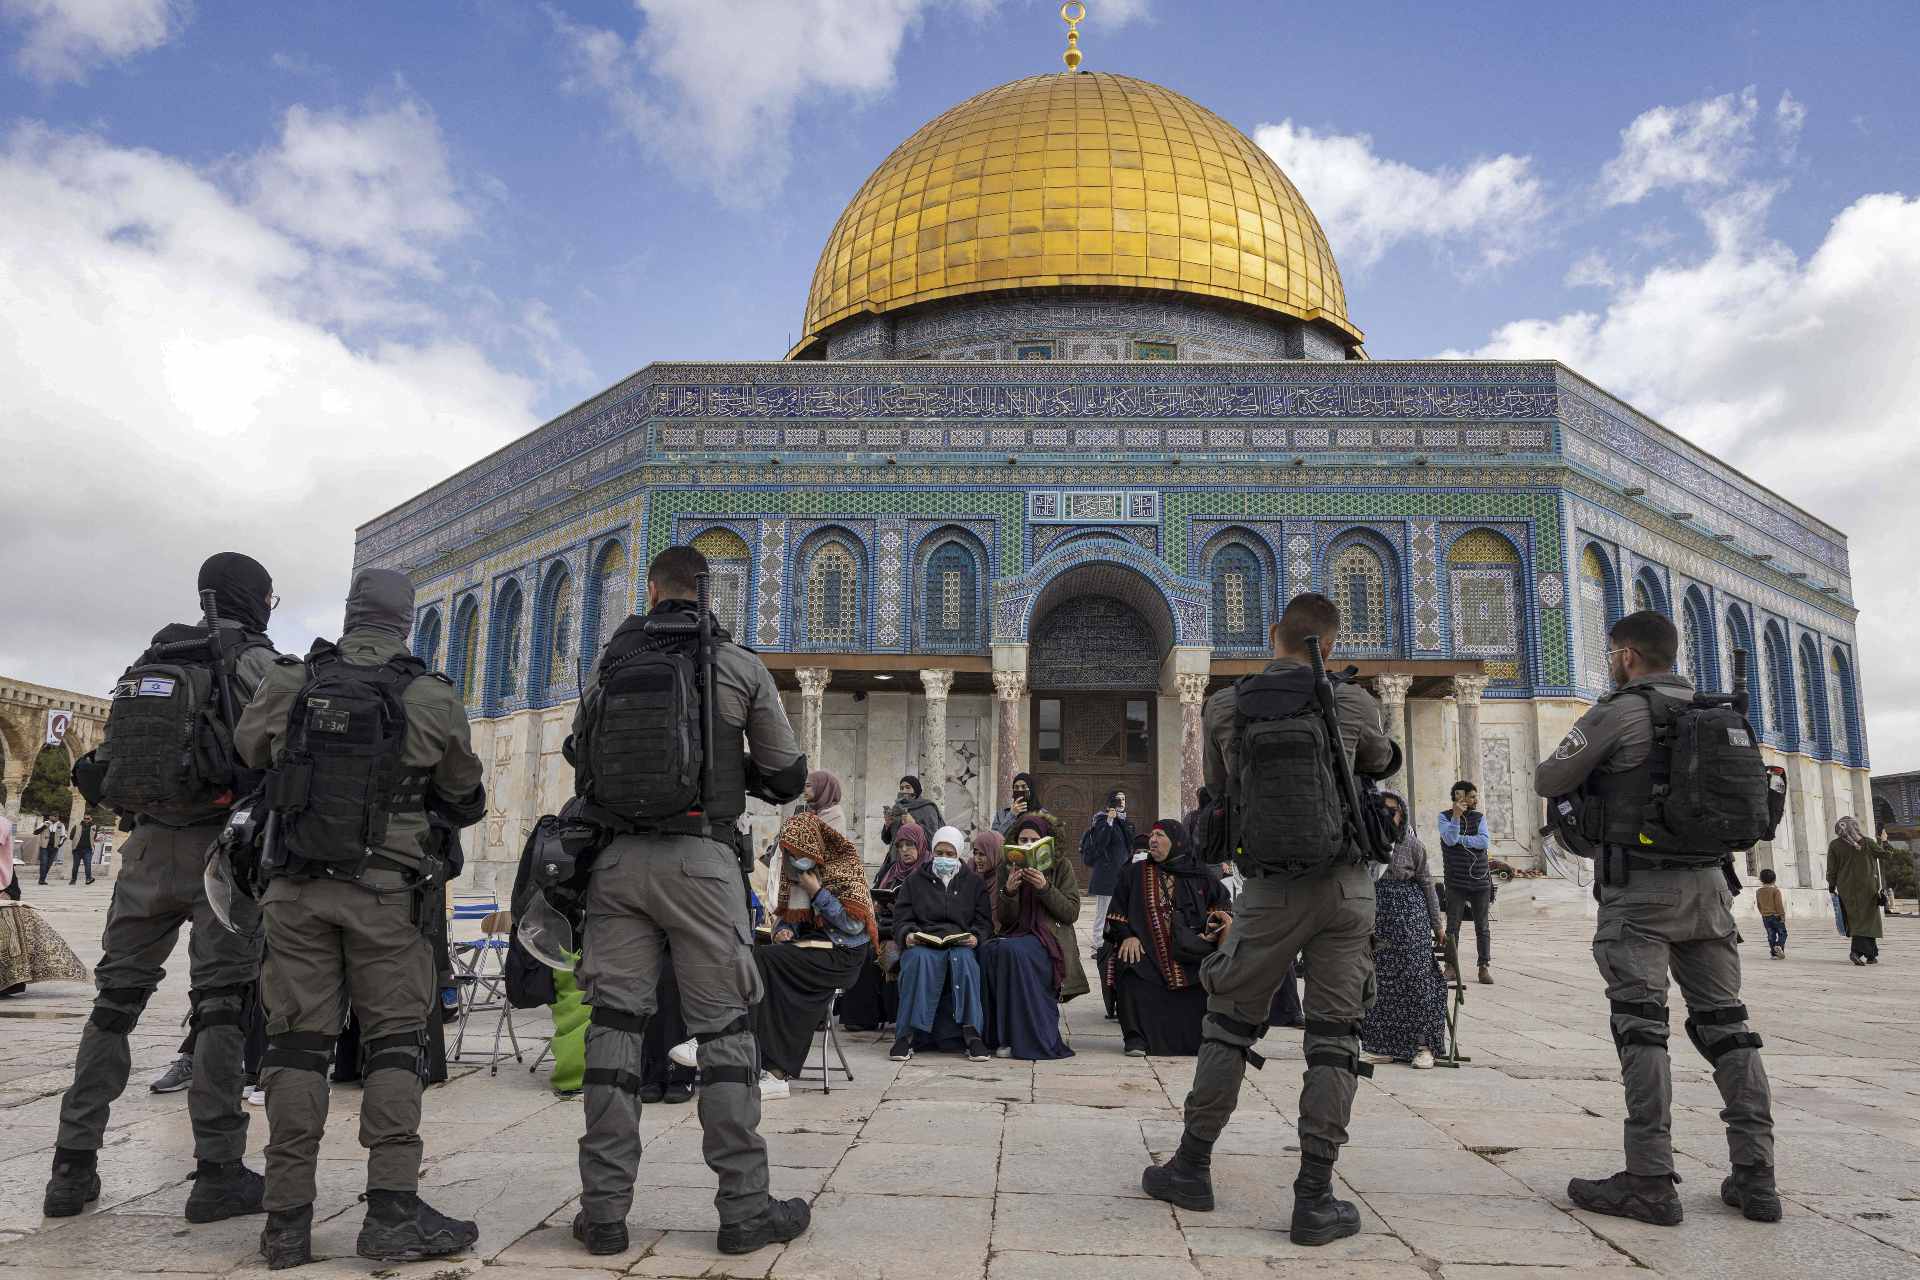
x,y
1024,1012
1411,1010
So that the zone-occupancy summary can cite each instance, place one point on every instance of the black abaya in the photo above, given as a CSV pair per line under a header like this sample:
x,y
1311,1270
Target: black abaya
x,y
799,982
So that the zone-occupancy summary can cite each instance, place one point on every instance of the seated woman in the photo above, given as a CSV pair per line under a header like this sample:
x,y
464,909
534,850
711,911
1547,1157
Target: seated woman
x,y
826,930
1156,929
873,999
30,950
1033,967
1408,1021
941,915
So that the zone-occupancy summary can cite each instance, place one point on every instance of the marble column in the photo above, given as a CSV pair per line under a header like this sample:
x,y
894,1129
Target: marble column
x,y
1009,698
1466,692
1391,688
813,693
937,684
1193,744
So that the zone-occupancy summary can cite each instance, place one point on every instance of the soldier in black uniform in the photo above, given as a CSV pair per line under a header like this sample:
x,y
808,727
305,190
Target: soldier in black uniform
x,y
1661,908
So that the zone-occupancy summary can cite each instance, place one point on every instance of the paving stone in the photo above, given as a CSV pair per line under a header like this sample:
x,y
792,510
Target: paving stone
x,y
133,1242
916,1169
959,1124
1491,1229
1242,1245
867,1237
1020,1264
1061,1223
1481,1271
1416,1171
1307,1269
1716,1242
551,1245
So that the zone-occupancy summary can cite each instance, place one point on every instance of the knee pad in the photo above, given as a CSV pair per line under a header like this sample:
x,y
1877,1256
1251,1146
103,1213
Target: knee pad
x,y
118,1021
1646,1011
300,1051
1225,1029
1339,1060
610,1077
228,1005
1726,1044
635,1023
403,1051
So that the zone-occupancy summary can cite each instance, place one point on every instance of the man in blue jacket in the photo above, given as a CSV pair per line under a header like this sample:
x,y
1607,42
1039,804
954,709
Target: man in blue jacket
x,y
1463,850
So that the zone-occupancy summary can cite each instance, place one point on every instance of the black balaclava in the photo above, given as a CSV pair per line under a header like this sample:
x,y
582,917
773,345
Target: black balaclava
x,y
241,587
381,600
914,783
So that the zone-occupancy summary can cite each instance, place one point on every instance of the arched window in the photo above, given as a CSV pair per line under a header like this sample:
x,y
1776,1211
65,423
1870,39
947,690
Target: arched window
x,y
1649,593
608,595
1779,689
833,596
1357,582
1598,612
1841,707
1740,637
555,632
1701,663
426,639
727,563
950,613
1813,697
508,647
463,657
1239,597
1484,569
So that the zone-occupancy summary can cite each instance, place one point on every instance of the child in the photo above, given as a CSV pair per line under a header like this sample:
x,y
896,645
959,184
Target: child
x,y
1773,914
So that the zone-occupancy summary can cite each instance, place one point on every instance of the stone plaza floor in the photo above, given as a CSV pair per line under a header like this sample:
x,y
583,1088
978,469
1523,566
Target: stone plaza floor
x,y
1013,1171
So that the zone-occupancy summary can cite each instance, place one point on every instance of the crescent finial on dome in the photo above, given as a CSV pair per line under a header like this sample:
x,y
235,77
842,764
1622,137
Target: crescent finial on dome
x,y
1073,13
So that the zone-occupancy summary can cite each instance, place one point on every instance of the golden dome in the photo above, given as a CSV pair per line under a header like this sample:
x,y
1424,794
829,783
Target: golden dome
x,y
1076,179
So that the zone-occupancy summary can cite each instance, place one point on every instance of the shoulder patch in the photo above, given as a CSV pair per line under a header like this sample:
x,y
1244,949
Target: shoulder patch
x,y
289,660
1572,745
435,675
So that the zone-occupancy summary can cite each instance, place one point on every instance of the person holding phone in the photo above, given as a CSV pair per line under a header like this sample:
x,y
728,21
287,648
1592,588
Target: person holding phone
x,y
1464,838
1167,916
1107,847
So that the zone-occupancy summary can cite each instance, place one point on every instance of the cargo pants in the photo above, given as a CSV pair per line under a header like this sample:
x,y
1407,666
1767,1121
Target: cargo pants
x,y
1330,918
645,893
1679,919
329,942
160,888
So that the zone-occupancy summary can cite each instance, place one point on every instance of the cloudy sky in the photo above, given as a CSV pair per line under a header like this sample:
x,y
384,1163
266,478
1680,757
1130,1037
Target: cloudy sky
x,y
261,280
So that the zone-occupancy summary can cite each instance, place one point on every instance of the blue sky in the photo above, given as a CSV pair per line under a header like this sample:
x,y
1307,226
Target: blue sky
x,y
353,247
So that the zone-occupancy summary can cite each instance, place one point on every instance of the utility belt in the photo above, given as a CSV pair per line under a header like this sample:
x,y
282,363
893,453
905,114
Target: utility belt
x,y
1615,865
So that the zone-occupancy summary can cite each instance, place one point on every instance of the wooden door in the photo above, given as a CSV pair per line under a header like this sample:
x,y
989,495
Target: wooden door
x,y
1085,745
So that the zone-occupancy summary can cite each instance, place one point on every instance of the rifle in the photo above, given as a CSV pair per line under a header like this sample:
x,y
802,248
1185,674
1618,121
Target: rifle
x,y
217,643
1363,833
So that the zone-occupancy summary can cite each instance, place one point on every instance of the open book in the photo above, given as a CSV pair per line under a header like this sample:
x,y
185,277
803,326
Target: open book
x,y
940,941
1036,856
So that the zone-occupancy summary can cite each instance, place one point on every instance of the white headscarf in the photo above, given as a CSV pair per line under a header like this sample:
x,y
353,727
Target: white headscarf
x,y
951,837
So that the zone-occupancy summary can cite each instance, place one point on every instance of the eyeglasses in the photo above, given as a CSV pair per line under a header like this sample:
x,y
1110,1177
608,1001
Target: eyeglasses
x,y
1622,649
273,602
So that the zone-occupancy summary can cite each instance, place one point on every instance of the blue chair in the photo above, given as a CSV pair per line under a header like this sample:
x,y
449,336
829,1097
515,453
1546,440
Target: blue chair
x,y
480,968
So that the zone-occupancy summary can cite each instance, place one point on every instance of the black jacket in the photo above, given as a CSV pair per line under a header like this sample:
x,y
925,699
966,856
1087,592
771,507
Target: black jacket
x,y
924,905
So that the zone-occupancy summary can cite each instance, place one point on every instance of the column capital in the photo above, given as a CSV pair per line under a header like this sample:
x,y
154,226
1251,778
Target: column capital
x,y
1009,686
1192,686
1469,688
813,680
1392,687
938,684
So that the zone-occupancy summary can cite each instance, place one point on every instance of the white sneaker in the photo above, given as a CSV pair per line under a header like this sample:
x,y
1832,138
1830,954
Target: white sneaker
x,y
1379,1059
254,1096
1423,1059
686,1053
772,1087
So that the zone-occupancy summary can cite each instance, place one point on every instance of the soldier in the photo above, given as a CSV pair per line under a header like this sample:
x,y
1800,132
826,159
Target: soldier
x,y
1659,908
676,880
364,741
177,801
1317,899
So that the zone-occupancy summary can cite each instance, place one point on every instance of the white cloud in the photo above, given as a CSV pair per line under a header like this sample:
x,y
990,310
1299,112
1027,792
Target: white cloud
x,y
713,88
166,392
65,39
1368,204
1703,144
1803,373
1789,117
1590,270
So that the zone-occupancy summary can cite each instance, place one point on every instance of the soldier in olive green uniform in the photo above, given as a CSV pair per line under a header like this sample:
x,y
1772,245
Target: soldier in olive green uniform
x,y
1658,913
159,888
331,933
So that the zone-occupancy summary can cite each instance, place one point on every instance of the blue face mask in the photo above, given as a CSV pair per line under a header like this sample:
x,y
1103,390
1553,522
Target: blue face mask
x,y
945,867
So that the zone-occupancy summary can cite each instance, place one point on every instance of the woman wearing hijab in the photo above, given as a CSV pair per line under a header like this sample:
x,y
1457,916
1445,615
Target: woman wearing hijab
x,y
1024,798
822,798
1034,965
942,914
1854,879
910,806
1157,929
825,932
30,950
874,998
1408,1021
989,850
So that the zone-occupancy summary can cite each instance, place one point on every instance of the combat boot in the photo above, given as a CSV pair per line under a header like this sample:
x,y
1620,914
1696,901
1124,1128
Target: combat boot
x,y
75,1183
287,1239
401,1227
1630,1195
1751,1190
1185,1181
225,1190
1319,1218
601,1238
779,1222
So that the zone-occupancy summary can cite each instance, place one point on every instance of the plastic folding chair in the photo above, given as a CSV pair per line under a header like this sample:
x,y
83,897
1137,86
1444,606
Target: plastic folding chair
x,y
479,966
829,1039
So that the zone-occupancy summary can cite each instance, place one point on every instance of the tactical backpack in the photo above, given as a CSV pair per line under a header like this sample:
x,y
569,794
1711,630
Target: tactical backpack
x,y
341,776
1704,791
641,722
169,751
1285,804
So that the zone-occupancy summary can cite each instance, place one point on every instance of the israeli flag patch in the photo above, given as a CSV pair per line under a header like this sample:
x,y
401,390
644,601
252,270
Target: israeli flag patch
x,y
156,687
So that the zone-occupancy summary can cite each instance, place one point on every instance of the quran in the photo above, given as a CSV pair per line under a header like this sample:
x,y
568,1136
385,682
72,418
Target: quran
x,y
1037,856
941,941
